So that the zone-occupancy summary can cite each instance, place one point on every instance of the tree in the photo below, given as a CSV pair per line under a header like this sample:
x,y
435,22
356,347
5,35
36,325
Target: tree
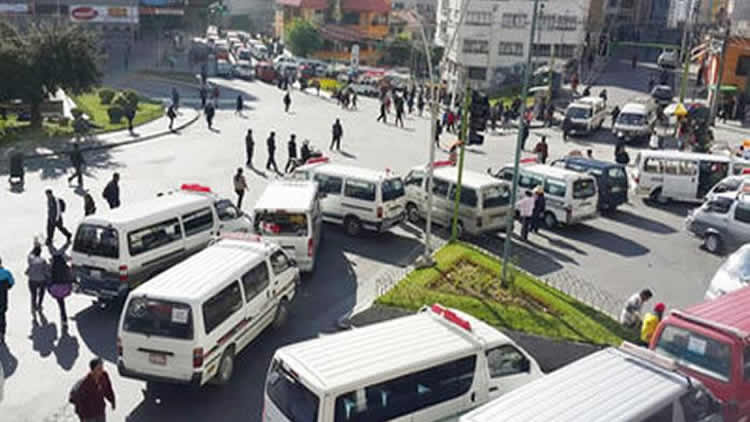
x,y
44,58
303,38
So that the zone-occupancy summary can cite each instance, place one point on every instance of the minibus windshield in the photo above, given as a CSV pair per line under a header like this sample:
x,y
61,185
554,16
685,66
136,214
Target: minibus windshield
x,y
631,119
584,188
154,317
290,396
278,223
579,113
97,240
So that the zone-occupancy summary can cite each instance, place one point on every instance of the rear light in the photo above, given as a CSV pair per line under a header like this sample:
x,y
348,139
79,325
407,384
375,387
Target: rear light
x,y
380,212
197,357
310,245
479,221
123,273
119,347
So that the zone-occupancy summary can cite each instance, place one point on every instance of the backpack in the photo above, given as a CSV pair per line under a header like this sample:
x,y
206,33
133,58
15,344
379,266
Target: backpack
x,y
61,205
74,394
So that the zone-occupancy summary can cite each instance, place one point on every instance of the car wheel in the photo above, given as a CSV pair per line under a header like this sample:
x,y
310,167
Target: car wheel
x,y
412,213
550,221
226,367
352,226
282,312
712,243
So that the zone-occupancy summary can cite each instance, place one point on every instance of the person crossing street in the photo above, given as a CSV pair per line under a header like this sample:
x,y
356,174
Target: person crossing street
x,y
112,192
271,145
240,186
337,133
382,115
287,101
6,283
76,159
249,147
55,210
292,150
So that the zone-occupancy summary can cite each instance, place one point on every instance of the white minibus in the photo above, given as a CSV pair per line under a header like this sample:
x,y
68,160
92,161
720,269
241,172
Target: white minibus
x,y
187,324
571,197
665,175
431,366
356,197
288,213
116,250
484,203
586,115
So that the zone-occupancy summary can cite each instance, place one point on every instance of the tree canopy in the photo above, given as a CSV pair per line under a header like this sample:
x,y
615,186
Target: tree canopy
x,y
303,38
40,60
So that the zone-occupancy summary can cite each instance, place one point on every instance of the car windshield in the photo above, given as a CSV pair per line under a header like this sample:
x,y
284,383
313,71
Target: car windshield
x,y
578,113
631,119
244,55
738,265
290,396
700,353
280,223
495,196
154,317
97,240
663,92
584,188
392,189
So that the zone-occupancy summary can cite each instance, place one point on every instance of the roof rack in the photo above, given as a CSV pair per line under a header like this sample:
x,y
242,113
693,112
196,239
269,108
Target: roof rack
x,y
712,324
449,318
654,358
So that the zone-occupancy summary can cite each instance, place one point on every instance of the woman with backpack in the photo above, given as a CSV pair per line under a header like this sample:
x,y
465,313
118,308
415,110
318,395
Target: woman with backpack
x,y
61,280
38,272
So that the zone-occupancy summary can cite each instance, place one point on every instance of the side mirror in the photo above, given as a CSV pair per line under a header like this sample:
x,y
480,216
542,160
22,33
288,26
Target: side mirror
x,y
525,365
489,171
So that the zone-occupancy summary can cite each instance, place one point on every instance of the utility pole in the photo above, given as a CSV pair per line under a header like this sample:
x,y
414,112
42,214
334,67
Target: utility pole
x,y
463,137
717,88
686,35
517,158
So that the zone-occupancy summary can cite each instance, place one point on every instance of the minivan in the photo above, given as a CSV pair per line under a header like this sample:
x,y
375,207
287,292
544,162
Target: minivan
x,y
723,222
586,115
611,179
635,122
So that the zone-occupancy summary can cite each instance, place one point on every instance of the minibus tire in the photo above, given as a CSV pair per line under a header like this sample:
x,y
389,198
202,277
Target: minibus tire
x,y
550,221
282,312
412,213
659,198
226,367
712,243
352,226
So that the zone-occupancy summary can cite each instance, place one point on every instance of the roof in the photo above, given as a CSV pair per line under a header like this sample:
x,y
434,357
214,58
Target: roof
x,y
149,209
587,101
304,4
287,195
607,386
688,155
591,163
469,178
339,361
333,32
634,108
196,277
557,172
731,310
348,171
377,6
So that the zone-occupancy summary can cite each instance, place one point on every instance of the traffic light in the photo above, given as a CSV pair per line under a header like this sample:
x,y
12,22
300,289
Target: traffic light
x,y
479,114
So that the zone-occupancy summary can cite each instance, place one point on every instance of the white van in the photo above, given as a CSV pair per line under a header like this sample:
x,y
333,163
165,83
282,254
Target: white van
x,y
188,324
628,384
484,206
666,175
115,251
571,197
431,366
635,122
357,197
586,115
288,213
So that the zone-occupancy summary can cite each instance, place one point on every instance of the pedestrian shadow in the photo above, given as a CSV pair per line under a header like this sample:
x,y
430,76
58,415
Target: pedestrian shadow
x,y
43,336
8,362
606,240
214,130
97,329
66,350
475,151
134,135
347,155
258,172
640,222
559,243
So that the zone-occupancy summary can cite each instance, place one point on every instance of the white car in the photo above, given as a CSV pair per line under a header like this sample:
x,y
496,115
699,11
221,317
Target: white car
x,y
733,274
668,58
223,68
244,70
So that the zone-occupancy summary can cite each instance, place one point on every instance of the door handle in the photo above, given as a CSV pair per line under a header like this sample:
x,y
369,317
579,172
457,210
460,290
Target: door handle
x,y
494,389
473,396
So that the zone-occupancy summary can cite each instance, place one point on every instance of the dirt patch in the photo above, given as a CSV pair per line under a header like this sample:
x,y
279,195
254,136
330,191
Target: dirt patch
x,y
469,279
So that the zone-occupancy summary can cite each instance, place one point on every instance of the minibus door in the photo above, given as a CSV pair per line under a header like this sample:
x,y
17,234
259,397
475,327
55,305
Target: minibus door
x,y
680,179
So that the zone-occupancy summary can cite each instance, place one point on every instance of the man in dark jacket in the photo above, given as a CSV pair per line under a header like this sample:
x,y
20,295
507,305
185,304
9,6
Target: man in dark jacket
x,y
171,115
112,191
55,209
304,151
249,147
89,207
540,206
6,283
287,101
209,111
89,394
382,115
338,132
76,159
271,144
292,149
130,116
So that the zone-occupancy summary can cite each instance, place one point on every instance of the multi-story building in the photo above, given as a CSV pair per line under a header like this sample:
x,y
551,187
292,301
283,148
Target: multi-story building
x,y
257,15
490,48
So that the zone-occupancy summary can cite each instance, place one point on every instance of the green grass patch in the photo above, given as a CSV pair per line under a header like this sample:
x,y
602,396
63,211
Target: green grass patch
x,y
468,280
90,104
12,130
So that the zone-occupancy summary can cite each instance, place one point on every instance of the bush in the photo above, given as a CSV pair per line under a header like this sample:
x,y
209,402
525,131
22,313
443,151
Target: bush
x,y
76,112
64,121
115,113
131,97
106,95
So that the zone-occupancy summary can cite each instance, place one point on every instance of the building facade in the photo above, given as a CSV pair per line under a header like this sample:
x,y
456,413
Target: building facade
x,y
490,49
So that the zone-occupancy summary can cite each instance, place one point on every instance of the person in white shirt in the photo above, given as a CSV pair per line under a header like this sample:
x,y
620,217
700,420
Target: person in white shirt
x,y
630,316
526,209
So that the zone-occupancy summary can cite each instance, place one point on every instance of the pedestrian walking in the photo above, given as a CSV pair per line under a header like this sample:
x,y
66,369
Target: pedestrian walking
x,y
215,94
175,98
354,100
210,110
382,115
574,83
111,192
249,147
650,322
524,132
337,133
614,113
204,94
451,121
271,145
590,154
240,186
410,104
38,272
240,105
630,316
420,104
304,151
89,393
89,206
130,116
204,74
76,160
526,210
438,132
621,156
541,149
171,114
61,279
603,96
55,210
567,125
6,283
287,101
540,207
291,147
400,113
634,61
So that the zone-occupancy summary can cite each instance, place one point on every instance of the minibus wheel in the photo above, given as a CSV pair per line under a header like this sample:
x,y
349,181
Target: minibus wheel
x,y
281,314
659,198
226,367
412,213
352,226
550,221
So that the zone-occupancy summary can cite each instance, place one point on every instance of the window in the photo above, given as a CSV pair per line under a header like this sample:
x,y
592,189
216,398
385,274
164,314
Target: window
x,y
541,50
392,189
653,165
154,317
97,241
506,360
476,46
290,396
688,168
697,352
226,210
408,393
616,173
565,51
152,237
479,18
198,221
743,66
671,167
440,187
742,212
280,223
720,205
664,414
279,262
468,196
547,22
221,306
584,188
514,20
360,190
255,281
414,178
510,49
507,174
477,73
555,188
495,196
329,184
567,23
350,18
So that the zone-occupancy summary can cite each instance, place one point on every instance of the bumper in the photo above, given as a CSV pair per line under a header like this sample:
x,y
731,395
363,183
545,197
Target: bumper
x,y
103,289
387,223
195,380
581,218
305,265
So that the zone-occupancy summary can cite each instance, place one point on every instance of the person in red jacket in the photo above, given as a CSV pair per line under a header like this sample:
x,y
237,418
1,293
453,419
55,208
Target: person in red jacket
x,y
90,394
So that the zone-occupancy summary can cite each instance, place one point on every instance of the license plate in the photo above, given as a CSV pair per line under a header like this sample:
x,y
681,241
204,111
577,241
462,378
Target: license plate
x,y
157,359
95,274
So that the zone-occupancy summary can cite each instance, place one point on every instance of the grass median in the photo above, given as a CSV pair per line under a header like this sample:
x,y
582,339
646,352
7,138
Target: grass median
x,y
90,103
468,280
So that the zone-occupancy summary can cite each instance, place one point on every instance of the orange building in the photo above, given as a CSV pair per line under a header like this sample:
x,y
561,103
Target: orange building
x,y
342,24
736,67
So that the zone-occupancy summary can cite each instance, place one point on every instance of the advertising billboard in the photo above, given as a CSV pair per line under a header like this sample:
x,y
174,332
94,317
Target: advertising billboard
x,y
103,14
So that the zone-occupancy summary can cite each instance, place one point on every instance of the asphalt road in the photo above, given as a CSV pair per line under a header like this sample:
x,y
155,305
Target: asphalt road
x,y
639,246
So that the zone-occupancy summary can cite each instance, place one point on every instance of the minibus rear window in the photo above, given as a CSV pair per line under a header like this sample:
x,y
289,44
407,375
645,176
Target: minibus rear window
x,y
97,241
495,196
290,396
584,188
160,318
281,223
700,353
392,189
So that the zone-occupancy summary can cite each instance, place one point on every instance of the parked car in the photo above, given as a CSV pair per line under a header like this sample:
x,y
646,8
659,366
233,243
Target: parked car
x,y
662,94
223,68
723,222
668,58
733,274
244,70
266,72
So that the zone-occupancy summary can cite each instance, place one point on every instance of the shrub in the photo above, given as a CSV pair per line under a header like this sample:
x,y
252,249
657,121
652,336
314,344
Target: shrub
x,y
106,95
131,97
76,112
64,121
115,113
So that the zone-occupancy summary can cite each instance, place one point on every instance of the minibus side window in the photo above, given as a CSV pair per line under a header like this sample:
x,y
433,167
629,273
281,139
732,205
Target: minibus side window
x,y
221,306
356,189
330,185
255,281
440,187
742,212
653,165
198,221
154,236
506,360
279,262
468,196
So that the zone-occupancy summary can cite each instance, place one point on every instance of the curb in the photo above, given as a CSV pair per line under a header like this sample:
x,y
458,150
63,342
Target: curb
x,y
168,80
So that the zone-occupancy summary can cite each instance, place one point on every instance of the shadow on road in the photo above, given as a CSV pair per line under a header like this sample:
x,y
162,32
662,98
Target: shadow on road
x,y
8,361
98,330
531,256
606,240
640,222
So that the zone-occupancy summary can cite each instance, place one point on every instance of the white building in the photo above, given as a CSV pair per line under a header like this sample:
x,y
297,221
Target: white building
x,y
491,47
